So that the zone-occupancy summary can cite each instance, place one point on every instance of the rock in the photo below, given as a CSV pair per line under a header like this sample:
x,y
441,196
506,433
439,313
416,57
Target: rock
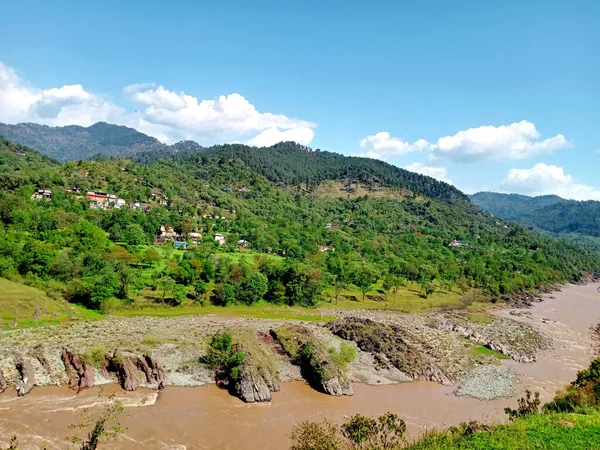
x,y
3,382
81,375
153,370
27,377
337,386
125,368
251,388
389,346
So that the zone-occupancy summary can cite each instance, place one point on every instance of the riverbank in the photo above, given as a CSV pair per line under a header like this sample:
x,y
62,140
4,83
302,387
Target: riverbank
x,y
183,417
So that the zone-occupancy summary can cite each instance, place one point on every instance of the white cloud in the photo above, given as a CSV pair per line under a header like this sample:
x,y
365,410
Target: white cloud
x,y
543,179
439,173
382,146
519,140
167,115
66,105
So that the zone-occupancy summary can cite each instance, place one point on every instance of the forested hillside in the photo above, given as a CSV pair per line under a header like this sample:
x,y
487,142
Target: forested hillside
x,y
91,232
575,221
74,142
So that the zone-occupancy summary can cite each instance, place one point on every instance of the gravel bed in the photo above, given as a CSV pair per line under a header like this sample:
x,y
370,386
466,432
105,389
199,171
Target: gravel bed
x,y
487,383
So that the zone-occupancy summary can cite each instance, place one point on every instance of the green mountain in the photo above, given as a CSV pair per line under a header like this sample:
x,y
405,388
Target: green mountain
x,y
315,221
574,221
74,142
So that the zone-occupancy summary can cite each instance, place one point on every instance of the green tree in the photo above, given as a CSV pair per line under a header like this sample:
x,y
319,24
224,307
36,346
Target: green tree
x,y
165,285
254,288
150,256
364,277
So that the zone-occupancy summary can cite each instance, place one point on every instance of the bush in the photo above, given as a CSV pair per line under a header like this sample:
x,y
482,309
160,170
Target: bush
x,y
342,357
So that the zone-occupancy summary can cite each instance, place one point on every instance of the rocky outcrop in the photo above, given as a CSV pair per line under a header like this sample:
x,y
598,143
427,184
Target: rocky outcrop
x,y
3,382
251,387
387,344
26,379
484,340
317,368
153,370
126,370
81,375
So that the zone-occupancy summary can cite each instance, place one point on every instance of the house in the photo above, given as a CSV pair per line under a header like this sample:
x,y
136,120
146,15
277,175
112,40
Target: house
x,y
166,233
111,198
135,205
243,243
328,226
97,196
119,203
219,238
456,243
326,248
195,237
225,189
180,244
244,189
42,194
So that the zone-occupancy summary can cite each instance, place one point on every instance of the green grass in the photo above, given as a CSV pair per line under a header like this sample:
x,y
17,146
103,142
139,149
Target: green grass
x,y
261,310
481,350
18,303
567,431
481,318
408,299
247,256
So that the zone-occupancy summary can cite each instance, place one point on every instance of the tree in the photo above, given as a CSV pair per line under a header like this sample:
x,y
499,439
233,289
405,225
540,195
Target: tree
x,y
179,292
200,287
254,288
390,283
364,277
134,234
224,294
150,256
105,427
165,285
427,288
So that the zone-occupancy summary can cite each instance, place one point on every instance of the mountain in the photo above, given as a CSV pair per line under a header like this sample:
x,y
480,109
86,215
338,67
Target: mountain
x,y
575,221
285,163
77,143
354,231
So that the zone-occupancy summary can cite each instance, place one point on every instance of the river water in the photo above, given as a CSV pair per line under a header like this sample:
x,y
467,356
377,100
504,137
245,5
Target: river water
x,y
209,418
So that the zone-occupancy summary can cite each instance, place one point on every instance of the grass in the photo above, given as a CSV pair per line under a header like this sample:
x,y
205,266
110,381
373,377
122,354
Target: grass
x,y
566,431
481,350
408,299
481,318
18,304
261,310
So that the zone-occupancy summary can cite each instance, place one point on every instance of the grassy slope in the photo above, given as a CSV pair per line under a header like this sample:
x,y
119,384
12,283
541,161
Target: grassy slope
x,y
565,431
20,302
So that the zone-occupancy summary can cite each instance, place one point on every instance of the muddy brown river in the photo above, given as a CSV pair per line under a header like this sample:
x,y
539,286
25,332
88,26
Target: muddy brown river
x,y
209,418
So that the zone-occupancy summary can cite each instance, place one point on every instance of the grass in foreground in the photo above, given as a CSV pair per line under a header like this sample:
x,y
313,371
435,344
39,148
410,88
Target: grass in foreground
x,y
481,350
567,431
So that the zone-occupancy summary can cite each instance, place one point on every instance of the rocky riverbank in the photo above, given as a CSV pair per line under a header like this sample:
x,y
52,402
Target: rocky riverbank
x,y
157,352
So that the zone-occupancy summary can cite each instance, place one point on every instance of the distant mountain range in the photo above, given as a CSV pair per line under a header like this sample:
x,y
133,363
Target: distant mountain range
x,y
79,143
576,221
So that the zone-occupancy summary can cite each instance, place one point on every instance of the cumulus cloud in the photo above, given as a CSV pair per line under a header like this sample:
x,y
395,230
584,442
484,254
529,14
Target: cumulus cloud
x,y
167,115
439,173
382,146
519,140
543,179
66,105
224,119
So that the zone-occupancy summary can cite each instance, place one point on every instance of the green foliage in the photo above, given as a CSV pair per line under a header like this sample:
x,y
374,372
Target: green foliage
x,y
222,359
583,392
342,357
385,432
526,406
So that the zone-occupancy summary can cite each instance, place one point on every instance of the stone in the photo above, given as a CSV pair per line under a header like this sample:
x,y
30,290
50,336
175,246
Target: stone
x,y
251,388
81,375
27,377
3,382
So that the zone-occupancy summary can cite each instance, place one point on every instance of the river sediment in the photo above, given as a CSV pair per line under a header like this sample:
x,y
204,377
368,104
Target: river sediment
x,y
186,417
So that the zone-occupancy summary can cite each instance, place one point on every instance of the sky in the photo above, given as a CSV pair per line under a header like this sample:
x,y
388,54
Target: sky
x,y
486,95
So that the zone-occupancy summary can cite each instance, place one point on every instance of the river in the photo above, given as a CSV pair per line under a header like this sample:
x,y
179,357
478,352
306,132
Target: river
x,y
209,418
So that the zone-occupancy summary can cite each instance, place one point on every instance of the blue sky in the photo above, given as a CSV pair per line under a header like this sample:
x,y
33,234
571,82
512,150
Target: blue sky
x,y
490,95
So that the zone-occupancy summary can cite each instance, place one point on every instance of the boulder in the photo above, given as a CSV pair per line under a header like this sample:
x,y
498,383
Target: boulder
x,y
81,375
125,368
153,370
337,386
27,377
251,388
3,382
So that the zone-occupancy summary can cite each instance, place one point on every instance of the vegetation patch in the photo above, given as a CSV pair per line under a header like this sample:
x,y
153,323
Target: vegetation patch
x,y
482,350
324,370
